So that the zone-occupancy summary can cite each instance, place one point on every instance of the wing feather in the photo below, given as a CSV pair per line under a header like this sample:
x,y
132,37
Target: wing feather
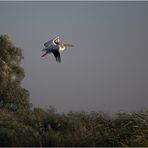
x,y
52,41
57,56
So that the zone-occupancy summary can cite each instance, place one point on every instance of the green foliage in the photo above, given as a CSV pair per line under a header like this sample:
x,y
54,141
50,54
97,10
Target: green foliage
x,y
16,133
12,95
92,129
21,125
40,127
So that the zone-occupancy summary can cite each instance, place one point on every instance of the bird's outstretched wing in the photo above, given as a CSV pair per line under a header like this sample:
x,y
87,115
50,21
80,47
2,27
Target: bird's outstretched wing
x,y
52,41
57,56
45,53
48,43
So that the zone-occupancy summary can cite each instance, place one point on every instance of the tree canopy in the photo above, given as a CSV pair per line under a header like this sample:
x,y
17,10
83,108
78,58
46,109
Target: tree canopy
x,y
12,94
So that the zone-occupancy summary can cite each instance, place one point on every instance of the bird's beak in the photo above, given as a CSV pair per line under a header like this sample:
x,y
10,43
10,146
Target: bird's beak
x,y
68,45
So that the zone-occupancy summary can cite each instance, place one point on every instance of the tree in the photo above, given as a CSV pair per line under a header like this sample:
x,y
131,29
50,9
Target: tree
x,y
16,133
12,95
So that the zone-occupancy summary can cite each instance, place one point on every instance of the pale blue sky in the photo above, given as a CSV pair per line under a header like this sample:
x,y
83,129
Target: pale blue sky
x,y
107,69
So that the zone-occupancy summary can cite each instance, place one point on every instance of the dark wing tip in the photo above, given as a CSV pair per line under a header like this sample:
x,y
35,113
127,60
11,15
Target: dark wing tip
x,y
57,56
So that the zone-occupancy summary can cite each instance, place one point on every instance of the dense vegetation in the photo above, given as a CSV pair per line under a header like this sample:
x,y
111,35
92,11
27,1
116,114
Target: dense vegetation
x,y
23,125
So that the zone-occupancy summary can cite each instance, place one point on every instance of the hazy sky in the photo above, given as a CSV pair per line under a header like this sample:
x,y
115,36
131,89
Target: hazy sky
x,y
107,69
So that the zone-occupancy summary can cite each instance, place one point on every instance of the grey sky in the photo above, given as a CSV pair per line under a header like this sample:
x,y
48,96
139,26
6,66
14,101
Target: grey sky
x,y
107,69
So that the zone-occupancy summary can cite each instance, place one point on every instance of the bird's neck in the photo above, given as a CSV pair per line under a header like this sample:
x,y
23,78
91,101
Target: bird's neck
x,y
62,47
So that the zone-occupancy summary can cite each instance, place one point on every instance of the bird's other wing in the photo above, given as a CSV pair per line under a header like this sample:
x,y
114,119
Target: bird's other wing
x,y
68,45
48,43
52,41
56,40
45,49
45,54
57,56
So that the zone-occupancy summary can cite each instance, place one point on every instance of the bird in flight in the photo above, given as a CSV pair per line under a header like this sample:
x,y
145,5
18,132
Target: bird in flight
x,y
55,46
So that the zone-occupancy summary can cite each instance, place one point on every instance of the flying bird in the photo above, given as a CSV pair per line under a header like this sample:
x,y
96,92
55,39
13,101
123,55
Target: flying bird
x,y
55,46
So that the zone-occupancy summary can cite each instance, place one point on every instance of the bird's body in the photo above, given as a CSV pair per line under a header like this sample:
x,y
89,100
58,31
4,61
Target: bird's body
x,y
54,46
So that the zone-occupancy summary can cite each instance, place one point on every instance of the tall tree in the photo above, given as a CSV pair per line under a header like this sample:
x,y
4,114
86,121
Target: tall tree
x,y
12,95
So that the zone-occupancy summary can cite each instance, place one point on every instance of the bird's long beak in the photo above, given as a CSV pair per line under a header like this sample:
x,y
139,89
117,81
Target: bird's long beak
x,y
68,45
